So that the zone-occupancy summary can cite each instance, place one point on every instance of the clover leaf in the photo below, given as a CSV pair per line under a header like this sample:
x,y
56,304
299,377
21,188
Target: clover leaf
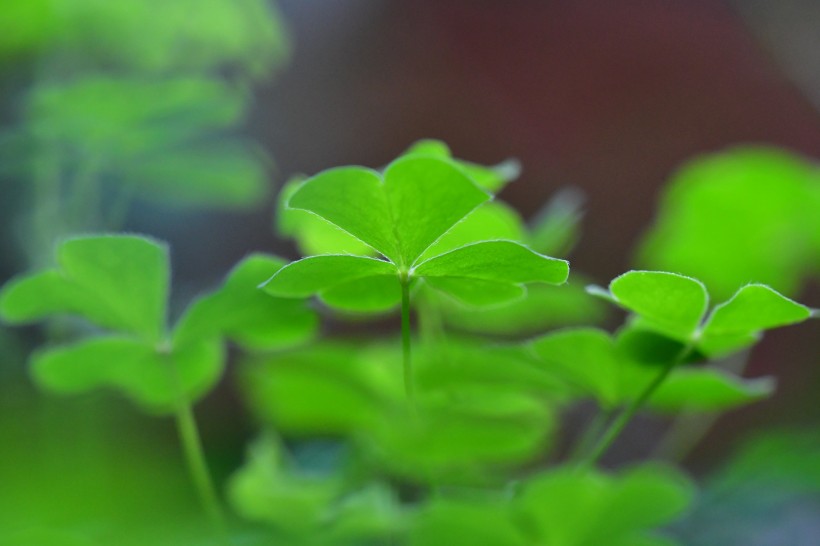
x,y
116,282
119,285
593,365
479,522
239,313
454,433
400,214
563,506
315,235
675,306
309,507
490,178
746,213
166,141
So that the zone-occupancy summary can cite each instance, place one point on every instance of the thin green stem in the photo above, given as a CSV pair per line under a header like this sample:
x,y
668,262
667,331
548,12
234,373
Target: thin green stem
x,y
592,431
407,363
46,222
430,325
690,427
617,426
84,204
195,460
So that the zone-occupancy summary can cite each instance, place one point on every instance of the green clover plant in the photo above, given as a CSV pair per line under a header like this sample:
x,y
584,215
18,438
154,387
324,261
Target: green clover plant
x,y
119,286
400,214
359,443
672,309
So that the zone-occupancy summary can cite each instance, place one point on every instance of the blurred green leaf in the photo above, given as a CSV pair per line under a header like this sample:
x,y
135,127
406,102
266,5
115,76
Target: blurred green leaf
x,y
163,140
245,36
224,174
311,508
639,342
474,522
477,292
456,363
707,390
556,228
591,364
782,458
247,316
128,117
490,178
150,377
564,507
771,196
25,27
367,294
118,282
371,514
265,489
542,307
323,389
586,360
455,440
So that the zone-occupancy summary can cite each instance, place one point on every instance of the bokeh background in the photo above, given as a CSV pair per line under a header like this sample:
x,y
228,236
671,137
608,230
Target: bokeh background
x,y
610,98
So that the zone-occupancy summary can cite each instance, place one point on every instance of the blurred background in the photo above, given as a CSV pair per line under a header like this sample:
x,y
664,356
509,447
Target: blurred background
x,y
609,98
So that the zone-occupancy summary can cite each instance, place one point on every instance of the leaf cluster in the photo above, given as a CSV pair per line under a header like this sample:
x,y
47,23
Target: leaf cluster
x,y
119,286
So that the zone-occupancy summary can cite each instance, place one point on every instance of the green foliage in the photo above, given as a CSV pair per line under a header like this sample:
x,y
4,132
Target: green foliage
x,y
543,307
131,35
120,285
747,214
563,507
591,365
493,220
26,24
675,306
238,313
464,424
401,214
163,140
476,521
307,508
118,282
449,447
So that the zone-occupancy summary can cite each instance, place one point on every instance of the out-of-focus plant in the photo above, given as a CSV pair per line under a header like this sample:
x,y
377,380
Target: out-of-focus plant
x,y
363,441
744,215
136,100
748,214
119,286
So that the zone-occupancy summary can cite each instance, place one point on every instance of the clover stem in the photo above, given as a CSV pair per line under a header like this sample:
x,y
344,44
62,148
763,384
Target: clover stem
x,y
592,431
85,206
617,426
46,222
690,427
407,363
431,328
195,459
